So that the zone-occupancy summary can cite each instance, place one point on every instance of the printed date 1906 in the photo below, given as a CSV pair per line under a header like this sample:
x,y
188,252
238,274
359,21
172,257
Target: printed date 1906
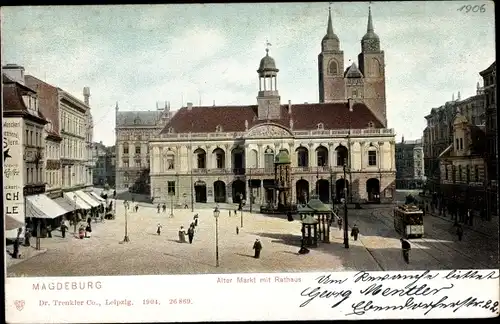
x,y
471,8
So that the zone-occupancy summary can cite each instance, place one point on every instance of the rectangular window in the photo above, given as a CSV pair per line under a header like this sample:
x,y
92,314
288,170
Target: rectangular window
x,y
372,158
137,150
125,150
137,163
125,164
461,144
171,188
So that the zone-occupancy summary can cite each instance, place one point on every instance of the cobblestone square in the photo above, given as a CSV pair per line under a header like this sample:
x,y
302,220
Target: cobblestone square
x,y
148,253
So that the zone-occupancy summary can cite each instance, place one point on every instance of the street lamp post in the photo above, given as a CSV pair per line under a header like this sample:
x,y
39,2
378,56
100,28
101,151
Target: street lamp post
x,y
241,215
126,239
216,216
346,237
171,205
74,215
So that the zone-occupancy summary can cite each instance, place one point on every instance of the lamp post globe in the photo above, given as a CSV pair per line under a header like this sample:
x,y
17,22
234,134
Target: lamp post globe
x,y
216,216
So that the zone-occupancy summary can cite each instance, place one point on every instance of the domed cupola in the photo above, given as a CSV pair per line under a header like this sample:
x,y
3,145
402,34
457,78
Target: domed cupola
x,y
267,66
331,41
370,41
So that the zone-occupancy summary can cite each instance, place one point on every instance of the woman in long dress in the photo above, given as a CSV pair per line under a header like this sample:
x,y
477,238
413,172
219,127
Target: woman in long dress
x,y
182,235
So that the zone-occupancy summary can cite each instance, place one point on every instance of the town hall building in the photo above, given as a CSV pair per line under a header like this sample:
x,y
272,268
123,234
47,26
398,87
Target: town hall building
x,y
227,153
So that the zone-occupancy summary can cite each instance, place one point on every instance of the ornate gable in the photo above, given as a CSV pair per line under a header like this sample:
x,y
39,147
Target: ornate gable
x,y
268,131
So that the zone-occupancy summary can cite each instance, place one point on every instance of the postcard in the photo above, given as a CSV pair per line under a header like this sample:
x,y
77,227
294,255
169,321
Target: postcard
x,y
243,162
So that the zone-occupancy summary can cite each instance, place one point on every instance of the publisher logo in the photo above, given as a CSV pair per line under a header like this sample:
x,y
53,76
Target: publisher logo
x,y
19,304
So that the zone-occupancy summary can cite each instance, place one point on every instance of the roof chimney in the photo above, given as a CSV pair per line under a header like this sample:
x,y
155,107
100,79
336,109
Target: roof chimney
x,y
289,106
214,103
86,95
458,96
189,105
15,72
453,97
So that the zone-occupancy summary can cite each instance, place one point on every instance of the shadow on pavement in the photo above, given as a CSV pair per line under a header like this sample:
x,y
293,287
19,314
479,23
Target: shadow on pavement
x,y
245,255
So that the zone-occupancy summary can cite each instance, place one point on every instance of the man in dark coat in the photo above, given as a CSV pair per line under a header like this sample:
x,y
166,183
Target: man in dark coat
x,y
63,229
460,232
191,233
257,246
405,247
355,232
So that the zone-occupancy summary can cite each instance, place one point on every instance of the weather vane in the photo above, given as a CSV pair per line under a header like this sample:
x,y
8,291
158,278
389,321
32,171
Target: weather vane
x,y
267,45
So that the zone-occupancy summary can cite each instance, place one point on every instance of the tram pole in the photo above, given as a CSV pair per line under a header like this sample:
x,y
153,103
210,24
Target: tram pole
x,y
346,236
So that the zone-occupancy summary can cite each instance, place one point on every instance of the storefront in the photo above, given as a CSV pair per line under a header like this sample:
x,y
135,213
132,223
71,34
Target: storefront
x,y
42,213
95,204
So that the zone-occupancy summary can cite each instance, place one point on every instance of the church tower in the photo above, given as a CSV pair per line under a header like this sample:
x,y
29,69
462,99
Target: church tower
x,y
331,67
372,66
268,98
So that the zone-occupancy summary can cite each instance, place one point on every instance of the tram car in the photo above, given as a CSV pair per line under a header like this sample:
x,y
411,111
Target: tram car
x,y
409,221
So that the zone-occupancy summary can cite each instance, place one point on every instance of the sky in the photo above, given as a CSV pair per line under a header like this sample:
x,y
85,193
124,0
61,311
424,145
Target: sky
x,y
138,55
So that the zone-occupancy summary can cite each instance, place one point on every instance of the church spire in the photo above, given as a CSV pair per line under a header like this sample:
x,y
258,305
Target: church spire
x,y
369,27
329,29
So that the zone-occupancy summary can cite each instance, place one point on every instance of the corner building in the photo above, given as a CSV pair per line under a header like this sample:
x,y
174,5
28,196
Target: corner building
x,y
226,153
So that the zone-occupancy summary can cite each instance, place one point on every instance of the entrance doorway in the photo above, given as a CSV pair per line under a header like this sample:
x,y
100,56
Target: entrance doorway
x,y
302,190
200,190
238,191
373,190
339,189
323,190
219,191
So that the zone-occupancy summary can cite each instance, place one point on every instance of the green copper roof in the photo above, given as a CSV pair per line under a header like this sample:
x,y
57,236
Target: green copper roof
x,y
282,157
314,205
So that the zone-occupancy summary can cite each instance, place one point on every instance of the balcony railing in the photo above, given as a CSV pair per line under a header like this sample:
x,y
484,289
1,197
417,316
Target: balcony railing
x,y
236,171
309,133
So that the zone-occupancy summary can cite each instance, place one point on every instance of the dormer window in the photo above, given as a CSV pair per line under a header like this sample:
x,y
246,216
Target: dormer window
x,y
371,125
218,128
137,120
170,130
321,126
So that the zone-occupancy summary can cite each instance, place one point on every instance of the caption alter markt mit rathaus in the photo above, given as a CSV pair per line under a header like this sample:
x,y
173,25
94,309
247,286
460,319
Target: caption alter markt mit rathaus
x,y
224,153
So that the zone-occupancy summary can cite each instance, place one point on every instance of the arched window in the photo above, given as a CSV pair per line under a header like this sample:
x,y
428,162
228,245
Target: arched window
x,y
333,67
170,161
218,128
320,126
302,156
220,158
138,149
170,130
372,157
201,158
322,156
269,158
341,155
371,125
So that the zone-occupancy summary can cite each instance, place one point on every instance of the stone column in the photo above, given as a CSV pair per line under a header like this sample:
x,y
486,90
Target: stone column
x,y
260,157
312,155
362,152
227,157
381,155
131,153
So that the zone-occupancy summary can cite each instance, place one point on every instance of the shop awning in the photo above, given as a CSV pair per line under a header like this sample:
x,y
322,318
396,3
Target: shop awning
x,y
96,196
12,223
77,200
41,206
65,203
88,199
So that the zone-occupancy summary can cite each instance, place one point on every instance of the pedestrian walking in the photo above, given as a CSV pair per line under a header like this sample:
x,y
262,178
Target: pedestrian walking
x,y
89,220
237,230
158,231
405,247
460,232
136,207
339,223
88,230
191,234
355,232
27,237
230,213
164,207
257,246
182,235
63,229
49,231
158,207
195,220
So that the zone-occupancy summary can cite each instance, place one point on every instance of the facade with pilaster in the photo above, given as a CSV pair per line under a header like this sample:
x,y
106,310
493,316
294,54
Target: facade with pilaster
x,y
409,164
226,153
134,129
